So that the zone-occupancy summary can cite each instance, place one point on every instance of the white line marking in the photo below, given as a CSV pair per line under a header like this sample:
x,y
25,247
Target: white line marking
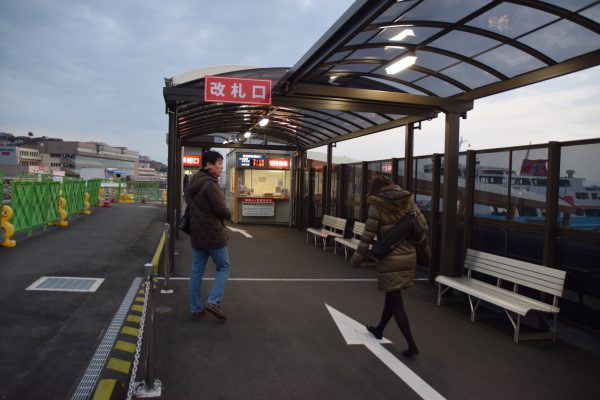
x,y
356,333
187,278
243,232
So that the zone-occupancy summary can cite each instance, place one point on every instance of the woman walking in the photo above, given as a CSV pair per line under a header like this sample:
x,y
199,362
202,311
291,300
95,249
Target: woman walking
x,y
388,205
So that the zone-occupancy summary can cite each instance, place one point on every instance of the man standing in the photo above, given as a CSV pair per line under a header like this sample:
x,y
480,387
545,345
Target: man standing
x,y
208,213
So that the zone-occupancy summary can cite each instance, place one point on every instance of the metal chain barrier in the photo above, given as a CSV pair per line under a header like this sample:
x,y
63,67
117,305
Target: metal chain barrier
x,y
138,349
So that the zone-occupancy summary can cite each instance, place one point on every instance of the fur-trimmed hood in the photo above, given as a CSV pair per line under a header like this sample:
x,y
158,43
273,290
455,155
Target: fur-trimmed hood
x,y
391,199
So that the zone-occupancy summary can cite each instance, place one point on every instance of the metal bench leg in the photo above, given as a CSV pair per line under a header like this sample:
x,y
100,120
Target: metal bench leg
x,y
517,329
441,292
473,307
345,253
315,240
324,243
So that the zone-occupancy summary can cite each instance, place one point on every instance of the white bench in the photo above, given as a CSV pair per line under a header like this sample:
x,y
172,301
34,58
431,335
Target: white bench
x,y
518,273
351,242
332,227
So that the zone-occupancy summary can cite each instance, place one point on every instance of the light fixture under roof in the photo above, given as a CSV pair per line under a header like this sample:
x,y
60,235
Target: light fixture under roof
x,y
247,134
402,35
400,64
264,121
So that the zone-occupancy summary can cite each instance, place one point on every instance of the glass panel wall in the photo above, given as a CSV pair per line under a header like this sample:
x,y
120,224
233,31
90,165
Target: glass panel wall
x,y
579,187
424,183
347,191
400,180
373,170
529,182
492,174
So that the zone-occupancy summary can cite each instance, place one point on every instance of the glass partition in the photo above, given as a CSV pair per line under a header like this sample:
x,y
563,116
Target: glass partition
x,y
529,181
579,187
424,183
347,191
492,174
373,170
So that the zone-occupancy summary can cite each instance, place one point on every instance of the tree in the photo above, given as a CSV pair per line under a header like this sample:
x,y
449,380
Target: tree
x,y
30,134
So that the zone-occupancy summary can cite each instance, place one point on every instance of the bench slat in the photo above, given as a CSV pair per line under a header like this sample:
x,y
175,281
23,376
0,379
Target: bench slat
x,y
526,274
557,273
520,279
511,270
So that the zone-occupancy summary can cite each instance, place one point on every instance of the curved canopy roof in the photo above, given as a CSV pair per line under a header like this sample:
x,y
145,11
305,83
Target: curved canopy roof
x,y
350,83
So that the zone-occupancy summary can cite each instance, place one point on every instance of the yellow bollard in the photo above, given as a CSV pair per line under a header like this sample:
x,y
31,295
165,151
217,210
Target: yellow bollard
x,y
164,196
86,204
9,229
61,212
99,197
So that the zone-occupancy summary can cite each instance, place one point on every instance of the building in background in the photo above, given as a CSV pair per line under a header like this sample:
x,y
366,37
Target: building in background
x,y
145,171
87,160
72,157
17,160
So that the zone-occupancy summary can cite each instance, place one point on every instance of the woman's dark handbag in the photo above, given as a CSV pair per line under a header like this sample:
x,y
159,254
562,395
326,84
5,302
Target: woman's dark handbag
x,y
184,222
385,245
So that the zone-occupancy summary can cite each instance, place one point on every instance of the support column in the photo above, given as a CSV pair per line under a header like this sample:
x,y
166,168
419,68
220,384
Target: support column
x,y
301,189
434,228
550,225
327,177
178,181
448,264
409,142
170,185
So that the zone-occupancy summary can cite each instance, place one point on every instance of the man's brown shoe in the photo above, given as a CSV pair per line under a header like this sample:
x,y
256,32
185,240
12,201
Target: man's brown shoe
x,y
215,310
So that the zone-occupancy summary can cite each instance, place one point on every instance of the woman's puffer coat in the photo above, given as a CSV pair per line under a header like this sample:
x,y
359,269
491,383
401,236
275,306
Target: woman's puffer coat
x,y
386,209
207,211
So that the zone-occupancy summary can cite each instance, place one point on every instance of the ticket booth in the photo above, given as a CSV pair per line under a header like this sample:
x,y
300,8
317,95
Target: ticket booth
x,y
258,187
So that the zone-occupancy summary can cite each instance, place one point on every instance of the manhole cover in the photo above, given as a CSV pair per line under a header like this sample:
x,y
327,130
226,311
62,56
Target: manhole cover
x,y
66,284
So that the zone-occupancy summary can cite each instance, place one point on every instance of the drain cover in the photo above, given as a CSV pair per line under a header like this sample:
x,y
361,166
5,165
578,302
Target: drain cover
x,y
66,284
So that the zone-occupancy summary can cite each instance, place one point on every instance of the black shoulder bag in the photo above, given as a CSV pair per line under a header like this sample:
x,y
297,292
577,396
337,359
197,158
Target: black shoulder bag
x,y
385,245
185,225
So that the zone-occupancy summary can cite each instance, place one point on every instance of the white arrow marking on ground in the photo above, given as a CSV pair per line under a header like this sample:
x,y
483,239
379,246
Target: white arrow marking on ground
x,y
243,232
355,333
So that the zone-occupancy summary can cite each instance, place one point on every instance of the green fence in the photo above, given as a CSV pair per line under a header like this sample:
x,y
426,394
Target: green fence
x,y
93,185
34,204
73,192
143,190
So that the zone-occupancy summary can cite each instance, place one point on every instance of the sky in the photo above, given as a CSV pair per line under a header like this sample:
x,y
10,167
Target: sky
x,y
94,71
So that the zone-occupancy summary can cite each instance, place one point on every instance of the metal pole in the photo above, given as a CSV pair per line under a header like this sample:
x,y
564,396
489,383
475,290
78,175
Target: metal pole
x,y
166,253
152,387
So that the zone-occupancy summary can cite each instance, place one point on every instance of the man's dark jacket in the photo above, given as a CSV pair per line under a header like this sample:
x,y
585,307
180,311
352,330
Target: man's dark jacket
x,y
207,211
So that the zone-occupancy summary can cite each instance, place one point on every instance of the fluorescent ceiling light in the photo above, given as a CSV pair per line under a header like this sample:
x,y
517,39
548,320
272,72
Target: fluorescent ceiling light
x,y
247,134
264,121
225,141
400,65
402,35
332,78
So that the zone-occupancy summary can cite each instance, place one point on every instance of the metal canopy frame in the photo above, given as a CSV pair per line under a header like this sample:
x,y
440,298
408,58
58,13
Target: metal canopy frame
x,y
464,49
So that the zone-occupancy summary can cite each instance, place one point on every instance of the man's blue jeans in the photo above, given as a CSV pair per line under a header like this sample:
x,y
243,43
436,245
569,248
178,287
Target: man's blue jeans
x,y
199,259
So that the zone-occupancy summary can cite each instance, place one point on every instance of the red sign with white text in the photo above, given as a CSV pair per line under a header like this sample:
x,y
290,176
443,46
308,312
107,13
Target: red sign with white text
x,y
279,163
236,90
192,161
